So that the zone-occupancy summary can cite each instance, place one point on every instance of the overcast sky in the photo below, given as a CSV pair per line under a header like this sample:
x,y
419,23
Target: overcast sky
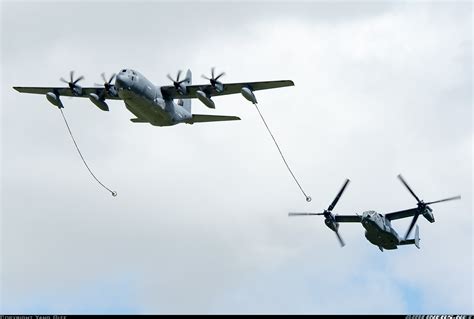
x,y
200,223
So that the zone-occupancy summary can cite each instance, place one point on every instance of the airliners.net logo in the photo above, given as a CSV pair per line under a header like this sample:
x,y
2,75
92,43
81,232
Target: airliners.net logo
x,y
439,317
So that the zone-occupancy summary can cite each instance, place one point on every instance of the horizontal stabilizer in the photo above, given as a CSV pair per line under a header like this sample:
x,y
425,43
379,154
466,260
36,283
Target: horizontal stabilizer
x,y
199,118
137,120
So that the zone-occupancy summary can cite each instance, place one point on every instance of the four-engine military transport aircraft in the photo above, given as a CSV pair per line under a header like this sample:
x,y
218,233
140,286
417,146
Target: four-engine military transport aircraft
x,y
379,230
155,104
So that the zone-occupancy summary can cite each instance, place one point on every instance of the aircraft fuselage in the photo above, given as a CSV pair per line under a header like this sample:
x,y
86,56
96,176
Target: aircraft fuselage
x,y
379,230
146,102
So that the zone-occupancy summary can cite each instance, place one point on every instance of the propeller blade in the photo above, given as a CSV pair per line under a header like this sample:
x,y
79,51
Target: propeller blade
x,y
78,79
212,71
410,228
178,76
205,77
408,187
170,78
444,200
103,77
303,214
340,239
63,80
222,74
71,73
333,204
112,77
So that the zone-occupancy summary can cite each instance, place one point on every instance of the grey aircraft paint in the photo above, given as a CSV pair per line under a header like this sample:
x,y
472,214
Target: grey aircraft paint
x,y
378,227
155,104
146,102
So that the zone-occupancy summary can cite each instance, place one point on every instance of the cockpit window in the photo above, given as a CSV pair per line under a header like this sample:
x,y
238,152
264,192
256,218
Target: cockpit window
x,y
124,70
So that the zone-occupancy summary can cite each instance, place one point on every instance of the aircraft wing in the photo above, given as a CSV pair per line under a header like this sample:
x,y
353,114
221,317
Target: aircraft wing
x,y
348,218
230,88
65,91
401,214
199,118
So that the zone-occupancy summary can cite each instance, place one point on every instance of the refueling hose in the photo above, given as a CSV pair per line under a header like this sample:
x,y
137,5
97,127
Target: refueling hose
x,y
308,198
114,193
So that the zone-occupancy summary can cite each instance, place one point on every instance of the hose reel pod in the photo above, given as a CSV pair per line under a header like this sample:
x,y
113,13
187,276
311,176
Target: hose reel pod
x,y
248,94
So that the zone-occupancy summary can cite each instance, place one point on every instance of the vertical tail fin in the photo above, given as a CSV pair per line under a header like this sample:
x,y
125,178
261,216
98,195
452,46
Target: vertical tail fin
x,y
415,241
417,237
189,80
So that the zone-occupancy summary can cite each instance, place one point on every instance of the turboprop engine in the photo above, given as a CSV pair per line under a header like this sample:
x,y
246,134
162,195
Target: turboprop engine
x,y
330,221
205,99
100,103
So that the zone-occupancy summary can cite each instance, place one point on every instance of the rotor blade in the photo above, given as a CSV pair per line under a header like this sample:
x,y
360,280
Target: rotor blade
x,y
78,79
444,200
340,239
334,202
222,74
112,77
408,187
303,214
410,228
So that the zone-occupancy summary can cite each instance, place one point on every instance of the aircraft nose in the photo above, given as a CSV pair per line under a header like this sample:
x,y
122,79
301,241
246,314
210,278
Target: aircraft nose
x,y
121,81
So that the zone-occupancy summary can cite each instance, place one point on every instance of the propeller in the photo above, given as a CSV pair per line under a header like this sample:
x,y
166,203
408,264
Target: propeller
x,y
107,84
334,202
72,83
341,242
330,220
177,83
422,206
444,200
304,214
214,80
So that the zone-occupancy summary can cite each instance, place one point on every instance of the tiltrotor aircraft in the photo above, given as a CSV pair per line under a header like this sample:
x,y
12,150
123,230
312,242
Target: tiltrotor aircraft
x,y
379,230
155,104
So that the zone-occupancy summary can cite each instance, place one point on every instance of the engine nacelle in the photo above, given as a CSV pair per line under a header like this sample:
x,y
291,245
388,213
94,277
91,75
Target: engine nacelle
x,y
54,99
427,213
248,94
182,88
98,102
205,100
332,224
